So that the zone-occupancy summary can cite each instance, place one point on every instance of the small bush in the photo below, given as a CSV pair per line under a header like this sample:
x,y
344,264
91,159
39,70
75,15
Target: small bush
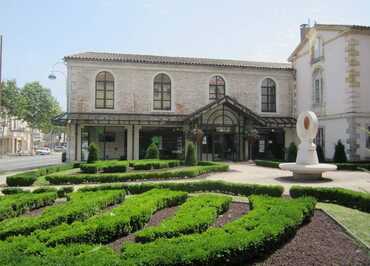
x,y
93,153
355,166
340,153
341,196
64,157
190,157
13,190
265,163
292,152
63,191
152,152
22,179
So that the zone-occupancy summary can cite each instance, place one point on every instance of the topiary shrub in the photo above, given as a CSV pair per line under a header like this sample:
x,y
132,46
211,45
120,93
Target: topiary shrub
x,y
93,153
64,157
190,158
320,154
152,152
292,152
340,153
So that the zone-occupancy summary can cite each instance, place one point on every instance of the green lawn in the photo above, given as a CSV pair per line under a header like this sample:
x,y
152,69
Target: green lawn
x,y
355,221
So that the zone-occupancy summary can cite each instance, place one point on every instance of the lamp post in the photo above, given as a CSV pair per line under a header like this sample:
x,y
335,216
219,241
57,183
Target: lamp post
x,y
52,76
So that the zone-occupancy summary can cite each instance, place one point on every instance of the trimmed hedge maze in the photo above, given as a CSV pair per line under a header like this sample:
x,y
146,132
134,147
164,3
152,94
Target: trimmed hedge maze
x,y
80,237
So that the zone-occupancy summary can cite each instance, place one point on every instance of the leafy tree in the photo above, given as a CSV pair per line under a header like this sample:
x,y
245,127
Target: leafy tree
x,y
340,153
93,153
38,106
190,158
292,152
10,99
320,154
152,152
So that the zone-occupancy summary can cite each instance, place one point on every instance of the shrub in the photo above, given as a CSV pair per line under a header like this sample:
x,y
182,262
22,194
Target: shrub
x,y
44,189
194,216
340,153
320,154
63,191
152,152
16,204
81,205
64,157
110,166
130,216
292,152
265,163
93,153
205,167
22,179
190,157
341,196
236,242
13,190
356,166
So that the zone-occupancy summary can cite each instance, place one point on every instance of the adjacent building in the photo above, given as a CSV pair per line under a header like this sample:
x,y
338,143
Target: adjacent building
x,y
246,110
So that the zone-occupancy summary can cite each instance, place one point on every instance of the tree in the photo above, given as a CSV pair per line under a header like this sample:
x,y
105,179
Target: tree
x,y
10,99
152,152
340,153
190,158
38,106
93,153
292,152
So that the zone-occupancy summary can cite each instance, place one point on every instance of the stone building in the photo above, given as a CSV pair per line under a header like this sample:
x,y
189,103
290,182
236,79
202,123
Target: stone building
x,y
246,110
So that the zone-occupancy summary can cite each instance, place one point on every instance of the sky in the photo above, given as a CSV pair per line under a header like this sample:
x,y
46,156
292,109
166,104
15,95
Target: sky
x,y
39,33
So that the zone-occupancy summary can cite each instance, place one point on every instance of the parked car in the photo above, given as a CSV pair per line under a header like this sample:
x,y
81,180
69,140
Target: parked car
x,y
43,151
59,148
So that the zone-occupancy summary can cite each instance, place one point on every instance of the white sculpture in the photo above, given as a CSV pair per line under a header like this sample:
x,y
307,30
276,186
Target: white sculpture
x,y
307,164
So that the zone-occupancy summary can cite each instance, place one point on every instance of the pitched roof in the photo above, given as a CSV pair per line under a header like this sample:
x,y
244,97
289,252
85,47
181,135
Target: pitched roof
x,y
169,60
340,27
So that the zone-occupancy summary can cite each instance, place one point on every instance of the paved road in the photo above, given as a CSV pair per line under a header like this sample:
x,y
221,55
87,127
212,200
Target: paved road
x,y
16,163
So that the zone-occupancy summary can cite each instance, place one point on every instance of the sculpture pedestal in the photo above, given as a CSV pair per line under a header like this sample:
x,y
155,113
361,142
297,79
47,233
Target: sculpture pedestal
x,y
308,171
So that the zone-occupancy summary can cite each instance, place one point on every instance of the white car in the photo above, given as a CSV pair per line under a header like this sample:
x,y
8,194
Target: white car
x,y
43,151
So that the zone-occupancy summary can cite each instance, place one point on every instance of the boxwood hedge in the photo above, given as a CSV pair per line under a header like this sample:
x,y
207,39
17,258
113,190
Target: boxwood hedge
x,y
205,167
341,196
29,177
110,166
16,204
81,205
130,216
198,186
194,216
271,222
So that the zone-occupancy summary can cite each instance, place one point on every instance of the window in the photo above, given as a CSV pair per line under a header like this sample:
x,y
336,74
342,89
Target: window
x,y
162,92
268,95
368,138
317,50
216,88
317,88
104,91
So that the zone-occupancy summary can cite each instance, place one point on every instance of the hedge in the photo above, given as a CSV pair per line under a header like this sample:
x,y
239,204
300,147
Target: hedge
x,y
341,196
58,179
236,189
29,177
149,164
81,205
271,222
16,204
111,166
130,216
265,163
13,190
194,216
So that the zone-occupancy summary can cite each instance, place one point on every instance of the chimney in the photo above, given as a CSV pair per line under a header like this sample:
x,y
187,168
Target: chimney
x,y
304,28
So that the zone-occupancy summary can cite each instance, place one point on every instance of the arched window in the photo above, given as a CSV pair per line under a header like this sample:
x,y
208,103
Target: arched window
x,y
216,88
268,95
317,94
162,92
104,90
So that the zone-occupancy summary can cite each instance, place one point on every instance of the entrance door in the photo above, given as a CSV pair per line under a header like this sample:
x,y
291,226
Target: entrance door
x,y
223,147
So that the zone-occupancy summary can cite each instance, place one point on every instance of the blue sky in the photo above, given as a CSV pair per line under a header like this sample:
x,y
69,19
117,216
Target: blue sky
x,y
39,33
